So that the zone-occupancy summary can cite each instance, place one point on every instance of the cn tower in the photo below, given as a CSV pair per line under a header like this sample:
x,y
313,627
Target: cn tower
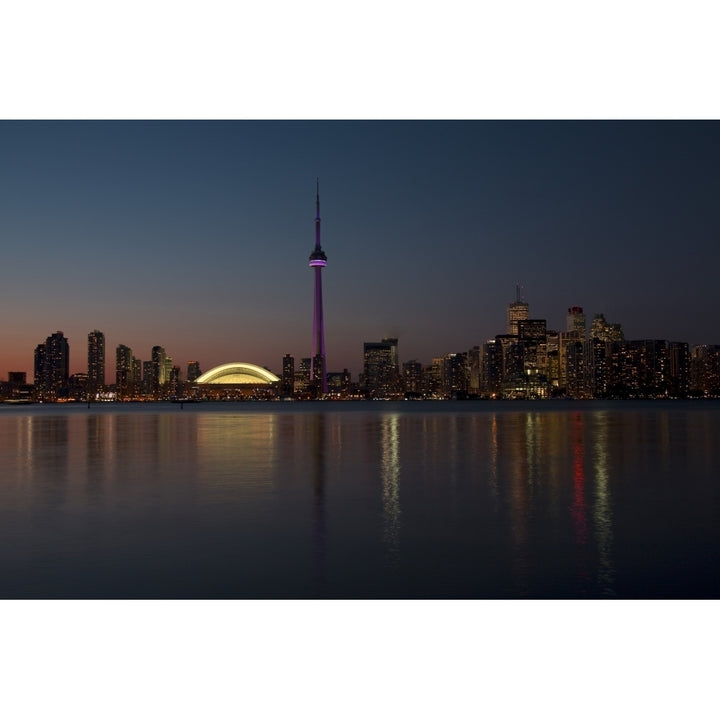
x,y
318,260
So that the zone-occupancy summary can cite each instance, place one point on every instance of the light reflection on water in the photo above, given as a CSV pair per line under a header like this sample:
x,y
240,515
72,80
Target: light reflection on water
x,y
509,500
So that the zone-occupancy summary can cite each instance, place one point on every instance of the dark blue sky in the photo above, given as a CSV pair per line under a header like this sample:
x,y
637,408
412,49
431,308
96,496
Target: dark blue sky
x,y
195,235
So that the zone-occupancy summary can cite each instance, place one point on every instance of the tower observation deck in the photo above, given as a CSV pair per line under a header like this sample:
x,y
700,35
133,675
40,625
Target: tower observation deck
x,y
317,261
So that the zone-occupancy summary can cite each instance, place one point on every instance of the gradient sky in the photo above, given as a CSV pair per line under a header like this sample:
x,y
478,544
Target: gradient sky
x,y
195,235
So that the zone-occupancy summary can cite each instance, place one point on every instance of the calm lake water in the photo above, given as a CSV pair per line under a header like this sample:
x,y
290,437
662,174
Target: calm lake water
x,y
361,500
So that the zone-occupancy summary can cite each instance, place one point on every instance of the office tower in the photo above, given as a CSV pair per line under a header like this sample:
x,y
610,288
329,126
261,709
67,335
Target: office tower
x,y
491,368
287,385
604,331
432,378
166,375
318,260
598,367
148,376
174,378
302,376
380,370
455,375
339,383
137,373
532,330
511,352
123,371
532,338
96,361
412,377
575,368
193,371
474,355
157,368
518,310
576,321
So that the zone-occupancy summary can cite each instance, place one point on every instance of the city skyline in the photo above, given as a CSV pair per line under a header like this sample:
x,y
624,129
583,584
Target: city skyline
x,y
193,235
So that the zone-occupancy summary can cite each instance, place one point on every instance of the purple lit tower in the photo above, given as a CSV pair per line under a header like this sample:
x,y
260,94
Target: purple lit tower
x,y
318,260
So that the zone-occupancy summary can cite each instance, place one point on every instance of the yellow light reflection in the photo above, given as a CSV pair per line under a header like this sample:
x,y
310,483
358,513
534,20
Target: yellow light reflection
x,y
390,475
602,515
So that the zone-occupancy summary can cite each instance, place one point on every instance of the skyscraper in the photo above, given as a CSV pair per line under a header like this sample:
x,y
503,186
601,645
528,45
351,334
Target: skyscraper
x,y
318,260
96,361
193,371
52,366
381,376
518,310
287,387
123,370
159,369
576,322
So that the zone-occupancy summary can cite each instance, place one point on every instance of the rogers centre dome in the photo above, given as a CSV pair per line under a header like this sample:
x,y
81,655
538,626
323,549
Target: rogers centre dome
x,y
237,374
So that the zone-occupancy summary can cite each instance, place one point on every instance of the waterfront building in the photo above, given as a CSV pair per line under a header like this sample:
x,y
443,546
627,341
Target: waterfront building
x,y
339,384
491,367
575,367
124,380
96,362
193,371
532,338
287,385
148,377
512,357
473,366
52,367
705,370
302,377
158,359
238,380
432,379
381,375
678,369
412,378
454,382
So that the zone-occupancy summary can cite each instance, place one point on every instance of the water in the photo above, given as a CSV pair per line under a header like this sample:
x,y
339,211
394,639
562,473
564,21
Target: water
x,y
361,500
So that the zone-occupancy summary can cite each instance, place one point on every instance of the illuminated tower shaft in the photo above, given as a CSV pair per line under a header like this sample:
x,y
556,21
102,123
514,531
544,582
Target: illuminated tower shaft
x,y
318,260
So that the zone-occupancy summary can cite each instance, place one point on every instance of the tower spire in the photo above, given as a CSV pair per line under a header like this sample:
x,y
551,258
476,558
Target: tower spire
x,y
317,214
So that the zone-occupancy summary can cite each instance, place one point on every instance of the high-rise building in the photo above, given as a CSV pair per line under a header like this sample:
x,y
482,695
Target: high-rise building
x,y
455,375
148,377
96,361
576,322
287,384
302,377
52,366
518,310
158,359
412,377
124,371
604,331
193,371
491,369
39,370
678,369
381,374
318,260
